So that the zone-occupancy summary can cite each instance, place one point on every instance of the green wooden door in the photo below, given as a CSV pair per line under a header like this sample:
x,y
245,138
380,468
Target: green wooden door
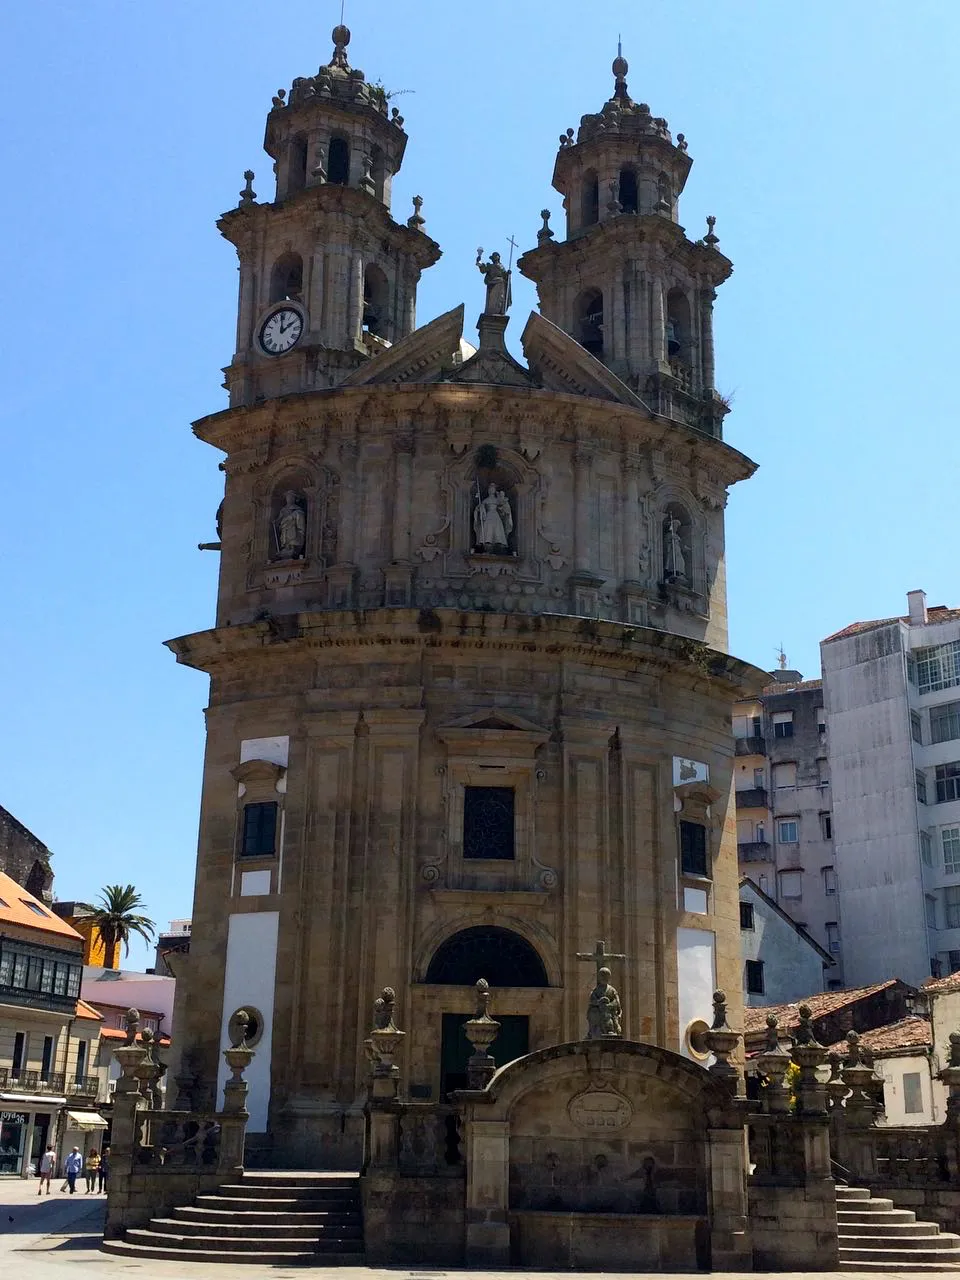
x,y
513,1041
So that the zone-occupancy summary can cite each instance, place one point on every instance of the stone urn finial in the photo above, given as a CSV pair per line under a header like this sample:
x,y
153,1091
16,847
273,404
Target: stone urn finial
x,y
481,1030
722,1040
950,1076
773,1064
384,1041
809,1055
858,1077
131,1022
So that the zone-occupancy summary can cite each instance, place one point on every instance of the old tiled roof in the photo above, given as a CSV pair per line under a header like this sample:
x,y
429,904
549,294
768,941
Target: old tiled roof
x,y
824,1002
85,1010
780,686
950,983
21,908
908,1033
937,613
115,1033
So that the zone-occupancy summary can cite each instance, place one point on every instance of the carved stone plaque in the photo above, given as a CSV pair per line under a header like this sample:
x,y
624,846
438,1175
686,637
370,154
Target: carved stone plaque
x,y
600,1110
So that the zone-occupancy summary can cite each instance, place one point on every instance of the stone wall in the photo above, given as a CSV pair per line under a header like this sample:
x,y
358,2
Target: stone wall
x,y
147,1194
409,1218
794,1228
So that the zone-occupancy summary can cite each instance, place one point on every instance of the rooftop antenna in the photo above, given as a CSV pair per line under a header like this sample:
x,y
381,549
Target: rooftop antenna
x,y
782,657
342,5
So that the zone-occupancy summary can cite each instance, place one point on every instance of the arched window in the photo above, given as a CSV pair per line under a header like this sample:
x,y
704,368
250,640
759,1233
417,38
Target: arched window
x,y
627,194
499,955
297,164
589,200
338,161
588,321
677,548
376,290
678,327
286,278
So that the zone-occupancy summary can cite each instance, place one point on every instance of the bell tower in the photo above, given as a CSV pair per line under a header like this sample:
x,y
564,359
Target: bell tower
x,y
327,277
626,281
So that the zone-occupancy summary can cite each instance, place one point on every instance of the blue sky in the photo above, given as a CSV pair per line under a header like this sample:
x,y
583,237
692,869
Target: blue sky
x,y
823,141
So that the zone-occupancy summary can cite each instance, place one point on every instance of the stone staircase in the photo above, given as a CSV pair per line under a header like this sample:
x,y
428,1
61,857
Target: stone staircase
x,y
874,1236
266,1218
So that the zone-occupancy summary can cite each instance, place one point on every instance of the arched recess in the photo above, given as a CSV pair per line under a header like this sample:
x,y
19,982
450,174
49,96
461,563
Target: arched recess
x,y
286,277
679,332
533,934
338,161
501,956
673,503
297,164
376,298
317,490
628,194
588,321
589,199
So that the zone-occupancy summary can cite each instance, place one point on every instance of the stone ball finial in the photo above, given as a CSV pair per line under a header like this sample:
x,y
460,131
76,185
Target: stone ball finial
x,y
341,35
620,66
772,1020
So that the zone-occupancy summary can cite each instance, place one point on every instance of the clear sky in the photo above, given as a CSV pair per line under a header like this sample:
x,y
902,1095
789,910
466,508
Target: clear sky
x,y
823,138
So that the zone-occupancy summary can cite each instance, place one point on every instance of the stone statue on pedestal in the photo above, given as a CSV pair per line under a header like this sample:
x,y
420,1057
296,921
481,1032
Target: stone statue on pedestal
x,y
290,528
493,521
497,279
603,1012
674,565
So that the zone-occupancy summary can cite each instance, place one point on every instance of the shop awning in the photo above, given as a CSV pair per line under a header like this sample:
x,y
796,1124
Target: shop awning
x,y
86,1120
30,1102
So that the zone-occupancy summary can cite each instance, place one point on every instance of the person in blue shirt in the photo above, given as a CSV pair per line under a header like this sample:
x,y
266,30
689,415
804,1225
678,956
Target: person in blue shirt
x,y
72,1168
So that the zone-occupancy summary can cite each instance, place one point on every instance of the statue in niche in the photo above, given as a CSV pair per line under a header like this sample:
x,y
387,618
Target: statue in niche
x,y
492,521
497,279
604,1011
290,528
674,564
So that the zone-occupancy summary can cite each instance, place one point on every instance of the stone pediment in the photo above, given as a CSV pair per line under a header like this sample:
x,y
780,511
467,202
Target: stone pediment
x,y
564,365
493,364
503,721
493,732
423,356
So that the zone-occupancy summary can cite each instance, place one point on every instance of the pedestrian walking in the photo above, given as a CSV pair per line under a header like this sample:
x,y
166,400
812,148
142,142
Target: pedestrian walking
x,y
73,1167
91,1169
104,1168
48,1164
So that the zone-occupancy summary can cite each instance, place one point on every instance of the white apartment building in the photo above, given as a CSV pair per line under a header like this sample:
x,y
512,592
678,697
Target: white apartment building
x,y
892,698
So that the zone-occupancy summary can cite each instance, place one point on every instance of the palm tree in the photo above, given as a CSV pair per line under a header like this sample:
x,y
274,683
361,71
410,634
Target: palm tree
x,y
116,918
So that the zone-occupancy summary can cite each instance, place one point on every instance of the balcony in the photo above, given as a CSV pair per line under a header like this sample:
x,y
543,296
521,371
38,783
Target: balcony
x,y
754,746
85,1087
755,851
34,1082
755,798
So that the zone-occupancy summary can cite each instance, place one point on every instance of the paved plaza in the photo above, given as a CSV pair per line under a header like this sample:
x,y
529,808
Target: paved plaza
x,y
56,1237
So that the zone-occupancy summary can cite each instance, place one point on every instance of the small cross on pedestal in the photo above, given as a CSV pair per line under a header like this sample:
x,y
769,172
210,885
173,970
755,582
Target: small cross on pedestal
x,y
599,955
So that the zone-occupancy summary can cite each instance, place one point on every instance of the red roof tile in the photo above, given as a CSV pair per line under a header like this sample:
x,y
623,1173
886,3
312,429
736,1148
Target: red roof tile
x,y
938,613
908,1033
824,1002
85,1010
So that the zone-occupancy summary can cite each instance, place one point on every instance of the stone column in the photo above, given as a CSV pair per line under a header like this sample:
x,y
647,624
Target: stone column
x,y
315,301
246,305
630,470
583,492
658,333
707,297
403,466
729,1240
355,321
488,1233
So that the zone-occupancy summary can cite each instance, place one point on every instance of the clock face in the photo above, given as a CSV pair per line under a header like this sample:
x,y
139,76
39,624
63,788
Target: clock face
x,y
281,331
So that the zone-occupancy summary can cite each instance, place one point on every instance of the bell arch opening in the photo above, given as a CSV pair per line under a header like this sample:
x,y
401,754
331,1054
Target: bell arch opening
x,y
628,194
504,958
338,161
286,278
376,289
297,164
588,321
589,199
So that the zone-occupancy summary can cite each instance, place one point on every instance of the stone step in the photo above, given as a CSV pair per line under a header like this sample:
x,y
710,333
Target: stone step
x,y
266,1258
881,1268
263,1217
263,1231
893,1230
272,1177
286,1191
863,1213
865,1206
853,1193
282,1204
239,1244
937,1249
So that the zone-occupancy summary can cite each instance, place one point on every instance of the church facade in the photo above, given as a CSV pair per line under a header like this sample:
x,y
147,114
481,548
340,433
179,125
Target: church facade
x,y
470,692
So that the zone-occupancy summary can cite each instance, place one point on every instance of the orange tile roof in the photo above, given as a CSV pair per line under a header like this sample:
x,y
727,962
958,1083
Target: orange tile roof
x,y
908,1033
85,1010
935,613
950,983
115,1033
22,908
824,1002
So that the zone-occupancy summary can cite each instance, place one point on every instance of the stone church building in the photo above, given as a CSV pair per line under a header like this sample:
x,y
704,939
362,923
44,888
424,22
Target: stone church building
x,y
470,693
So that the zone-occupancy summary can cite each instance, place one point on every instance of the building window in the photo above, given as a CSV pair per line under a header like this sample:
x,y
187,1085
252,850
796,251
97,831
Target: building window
x,y
834,985
945,722
823,772
916,727
783,724
788,830
938,666
829,880
953,959
488,823
926,848
259,830
826,826
46,1059
73,980
950,839
762,883
746,915
791,884
930,904
921,778
19,1053
833,936
60,979
754,977
912,1093
693,849
951,906
821,721
81,1060
948,782
785,775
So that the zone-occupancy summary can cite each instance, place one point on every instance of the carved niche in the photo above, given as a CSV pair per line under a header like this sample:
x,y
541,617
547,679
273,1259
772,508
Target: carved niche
x,y
296,511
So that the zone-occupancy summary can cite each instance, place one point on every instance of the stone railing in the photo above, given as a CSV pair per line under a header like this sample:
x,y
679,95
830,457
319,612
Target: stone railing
x,y
429,1139
175,1140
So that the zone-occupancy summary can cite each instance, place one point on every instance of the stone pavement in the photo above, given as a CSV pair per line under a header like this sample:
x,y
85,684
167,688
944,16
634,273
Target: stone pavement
x,y
56,1237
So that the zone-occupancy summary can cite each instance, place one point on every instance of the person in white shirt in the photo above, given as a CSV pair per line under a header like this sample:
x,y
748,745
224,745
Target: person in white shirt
x,y
48,1165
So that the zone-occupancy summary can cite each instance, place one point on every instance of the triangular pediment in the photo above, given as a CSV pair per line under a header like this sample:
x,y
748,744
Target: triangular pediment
x,y
495,718
422,356
496,368
562,364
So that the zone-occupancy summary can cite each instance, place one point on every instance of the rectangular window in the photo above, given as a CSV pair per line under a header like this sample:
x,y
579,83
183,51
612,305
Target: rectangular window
x,y
34,973
938,666
823,772
488,823
912,1093
6,969
953,958
921,778
930,904
945,722
693,849
46,1060
788,830
916,727
950,839
20,971
826,826
829,880
746,915
951,906
785,775
759,780
259,830
821,721
948,782
81,1060
791,884
60,979
926,848
19,1053
754,977
46,977
783,724
833,936
73,981
762,883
